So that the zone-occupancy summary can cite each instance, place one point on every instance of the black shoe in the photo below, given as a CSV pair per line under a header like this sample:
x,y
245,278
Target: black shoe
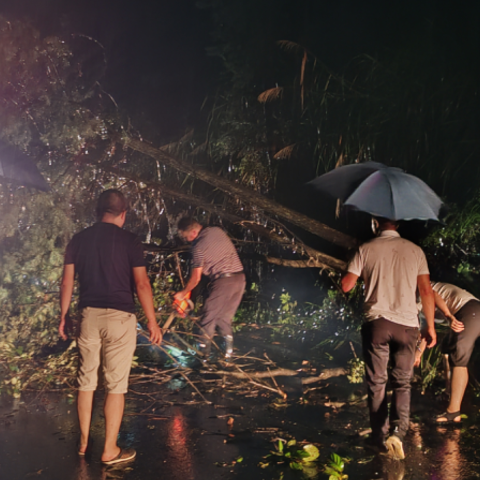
x,y
205,348
377,445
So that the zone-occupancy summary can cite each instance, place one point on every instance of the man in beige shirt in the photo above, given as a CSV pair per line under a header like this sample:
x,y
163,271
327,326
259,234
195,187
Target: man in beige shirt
x,y
392,269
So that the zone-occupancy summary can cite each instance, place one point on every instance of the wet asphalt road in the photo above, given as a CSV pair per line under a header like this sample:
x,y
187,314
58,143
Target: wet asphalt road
x,y
179,440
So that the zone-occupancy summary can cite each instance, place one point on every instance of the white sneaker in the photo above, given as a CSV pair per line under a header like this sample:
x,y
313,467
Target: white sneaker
x,y
395,447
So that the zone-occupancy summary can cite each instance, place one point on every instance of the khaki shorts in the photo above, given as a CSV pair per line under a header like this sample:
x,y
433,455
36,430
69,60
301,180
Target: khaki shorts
x,y
107,339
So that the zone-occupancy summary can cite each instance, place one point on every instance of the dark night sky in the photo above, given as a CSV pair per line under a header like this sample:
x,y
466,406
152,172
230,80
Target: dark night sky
x,y
158,70
157,67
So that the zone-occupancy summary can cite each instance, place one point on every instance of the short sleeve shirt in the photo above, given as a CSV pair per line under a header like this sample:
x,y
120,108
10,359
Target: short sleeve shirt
x,y
104,256
215,253
454,297
389,266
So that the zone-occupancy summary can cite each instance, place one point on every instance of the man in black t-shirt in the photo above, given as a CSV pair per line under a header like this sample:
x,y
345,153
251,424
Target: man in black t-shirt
x,y
110,266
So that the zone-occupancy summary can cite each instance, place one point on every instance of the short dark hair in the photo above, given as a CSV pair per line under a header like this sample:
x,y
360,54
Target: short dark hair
x,y
111,201
383,222
186,223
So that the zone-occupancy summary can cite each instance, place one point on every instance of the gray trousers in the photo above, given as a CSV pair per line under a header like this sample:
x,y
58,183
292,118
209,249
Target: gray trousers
x,y
224,297
383,341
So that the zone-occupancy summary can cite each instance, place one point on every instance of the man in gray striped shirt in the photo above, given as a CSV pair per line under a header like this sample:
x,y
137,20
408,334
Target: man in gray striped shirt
x,y
214,255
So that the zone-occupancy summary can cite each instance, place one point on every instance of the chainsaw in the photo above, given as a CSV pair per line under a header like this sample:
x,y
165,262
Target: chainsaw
x,y
180,309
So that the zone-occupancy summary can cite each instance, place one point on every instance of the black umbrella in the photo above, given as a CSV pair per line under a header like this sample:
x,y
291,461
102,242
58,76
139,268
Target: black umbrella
x,y
381,191
20,168
342,181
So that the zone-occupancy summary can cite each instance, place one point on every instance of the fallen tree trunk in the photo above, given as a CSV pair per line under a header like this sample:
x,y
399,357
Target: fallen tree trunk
x,y
245,194
310,263
325,374
317,259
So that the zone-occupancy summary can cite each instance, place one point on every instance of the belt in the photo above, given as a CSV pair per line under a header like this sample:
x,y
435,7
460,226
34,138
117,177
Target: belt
x,y
227,275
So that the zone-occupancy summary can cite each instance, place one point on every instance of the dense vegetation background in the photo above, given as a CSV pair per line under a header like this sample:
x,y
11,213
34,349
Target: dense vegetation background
x,y
280,107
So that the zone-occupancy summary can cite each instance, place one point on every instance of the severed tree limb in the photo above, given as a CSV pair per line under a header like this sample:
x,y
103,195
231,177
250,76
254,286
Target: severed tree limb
x,y
243,374
317,259
282,372
245,194
310,263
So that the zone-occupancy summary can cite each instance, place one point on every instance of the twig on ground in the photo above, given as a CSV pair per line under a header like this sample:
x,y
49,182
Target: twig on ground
x,y
280,391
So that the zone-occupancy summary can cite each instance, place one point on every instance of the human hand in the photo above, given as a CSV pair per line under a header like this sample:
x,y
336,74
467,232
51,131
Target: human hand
x,y
455,325
418,358
156,335
64,327
419,352
430,336
180,295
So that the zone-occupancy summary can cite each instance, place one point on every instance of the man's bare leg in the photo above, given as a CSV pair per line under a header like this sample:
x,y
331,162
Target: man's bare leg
x,y
458,386
84,410
113,409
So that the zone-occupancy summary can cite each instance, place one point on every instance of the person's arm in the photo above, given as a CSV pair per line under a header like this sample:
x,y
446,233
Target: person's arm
x,y
144,293
455,325
348,281
428,307
419,352
193,281
66,292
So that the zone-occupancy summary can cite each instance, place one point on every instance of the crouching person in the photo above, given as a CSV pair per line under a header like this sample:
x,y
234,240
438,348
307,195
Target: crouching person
x,y
462,311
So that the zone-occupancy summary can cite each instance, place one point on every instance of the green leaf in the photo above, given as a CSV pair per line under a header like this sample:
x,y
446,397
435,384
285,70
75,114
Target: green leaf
x,y
280,446
312,453
337,462
301,454
332,471
296,466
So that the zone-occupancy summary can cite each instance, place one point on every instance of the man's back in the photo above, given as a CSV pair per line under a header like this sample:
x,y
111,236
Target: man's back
x,y
215,253
390,266
104,256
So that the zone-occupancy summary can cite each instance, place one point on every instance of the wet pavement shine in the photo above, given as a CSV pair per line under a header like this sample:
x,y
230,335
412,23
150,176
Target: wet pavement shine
x,y
179,438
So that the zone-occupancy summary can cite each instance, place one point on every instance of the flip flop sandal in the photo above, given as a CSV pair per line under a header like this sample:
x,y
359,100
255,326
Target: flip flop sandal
x,y
124,456
79,452
450,418
82,454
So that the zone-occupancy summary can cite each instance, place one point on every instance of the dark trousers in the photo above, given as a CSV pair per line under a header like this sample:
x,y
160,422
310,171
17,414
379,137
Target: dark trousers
x,y
224,297
460,345
383,341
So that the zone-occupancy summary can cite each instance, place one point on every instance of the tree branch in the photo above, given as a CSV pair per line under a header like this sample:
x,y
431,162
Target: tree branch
x,y
245,194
